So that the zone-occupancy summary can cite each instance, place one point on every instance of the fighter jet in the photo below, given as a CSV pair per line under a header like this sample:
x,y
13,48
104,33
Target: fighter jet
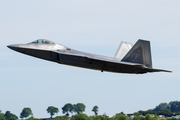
x,y
131,59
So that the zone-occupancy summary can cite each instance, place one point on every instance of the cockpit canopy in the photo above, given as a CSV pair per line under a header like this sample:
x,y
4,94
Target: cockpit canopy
x,y
43,41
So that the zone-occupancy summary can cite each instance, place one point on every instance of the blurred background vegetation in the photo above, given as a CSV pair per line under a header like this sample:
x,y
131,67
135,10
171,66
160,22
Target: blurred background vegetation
x,y
75,112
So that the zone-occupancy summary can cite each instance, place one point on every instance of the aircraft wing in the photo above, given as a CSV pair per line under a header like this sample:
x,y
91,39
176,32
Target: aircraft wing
x,y
102,63
151,69
132,66
110,64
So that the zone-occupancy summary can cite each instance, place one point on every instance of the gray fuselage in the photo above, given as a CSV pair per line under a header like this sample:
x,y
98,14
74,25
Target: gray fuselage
x,y
61,54
48,50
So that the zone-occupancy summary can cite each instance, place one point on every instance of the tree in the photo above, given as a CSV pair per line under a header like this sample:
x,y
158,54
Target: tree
x,y
52,110
122,113
138,118
67,108
9,116
160,107
79,117
155,117
121,116
147,117
26,112
79,108
61,118
166,112
95,110
136,114
2,117
174,106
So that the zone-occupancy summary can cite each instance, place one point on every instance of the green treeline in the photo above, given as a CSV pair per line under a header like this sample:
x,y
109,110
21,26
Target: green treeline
x,y
76,112
8,116
171,109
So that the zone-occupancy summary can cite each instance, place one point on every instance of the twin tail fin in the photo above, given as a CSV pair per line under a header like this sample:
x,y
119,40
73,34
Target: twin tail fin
x,y
140,53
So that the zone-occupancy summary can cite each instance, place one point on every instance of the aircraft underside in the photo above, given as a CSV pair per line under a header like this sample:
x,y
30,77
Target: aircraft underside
x,y
96,64
83,62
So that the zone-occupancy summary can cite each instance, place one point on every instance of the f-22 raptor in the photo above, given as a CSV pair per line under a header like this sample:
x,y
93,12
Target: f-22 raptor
x,y
131,59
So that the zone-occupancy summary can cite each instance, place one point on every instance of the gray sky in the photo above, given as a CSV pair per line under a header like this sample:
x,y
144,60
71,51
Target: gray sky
x,y
95,27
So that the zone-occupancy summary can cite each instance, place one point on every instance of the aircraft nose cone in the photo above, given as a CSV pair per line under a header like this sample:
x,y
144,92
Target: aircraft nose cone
x,y
13,47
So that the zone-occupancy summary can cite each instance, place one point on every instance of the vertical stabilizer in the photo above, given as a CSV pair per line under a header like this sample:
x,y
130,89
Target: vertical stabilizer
x,y
140,53
122,50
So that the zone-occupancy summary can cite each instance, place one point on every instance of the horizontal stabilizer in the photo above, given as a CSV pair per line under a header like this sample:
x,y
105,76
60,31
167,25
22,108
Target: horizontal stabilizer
x,y
151,69
157,70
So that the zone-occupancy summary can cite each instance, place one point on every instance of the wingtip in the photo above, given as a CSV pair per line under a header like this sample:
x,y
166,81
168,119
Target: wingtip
x,y
169,71
157,70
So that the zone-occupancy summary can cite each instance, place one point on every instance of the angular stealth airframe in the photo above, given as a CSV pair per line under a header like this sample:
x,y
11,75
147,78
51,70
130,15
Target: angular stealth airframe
x,y
128,59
